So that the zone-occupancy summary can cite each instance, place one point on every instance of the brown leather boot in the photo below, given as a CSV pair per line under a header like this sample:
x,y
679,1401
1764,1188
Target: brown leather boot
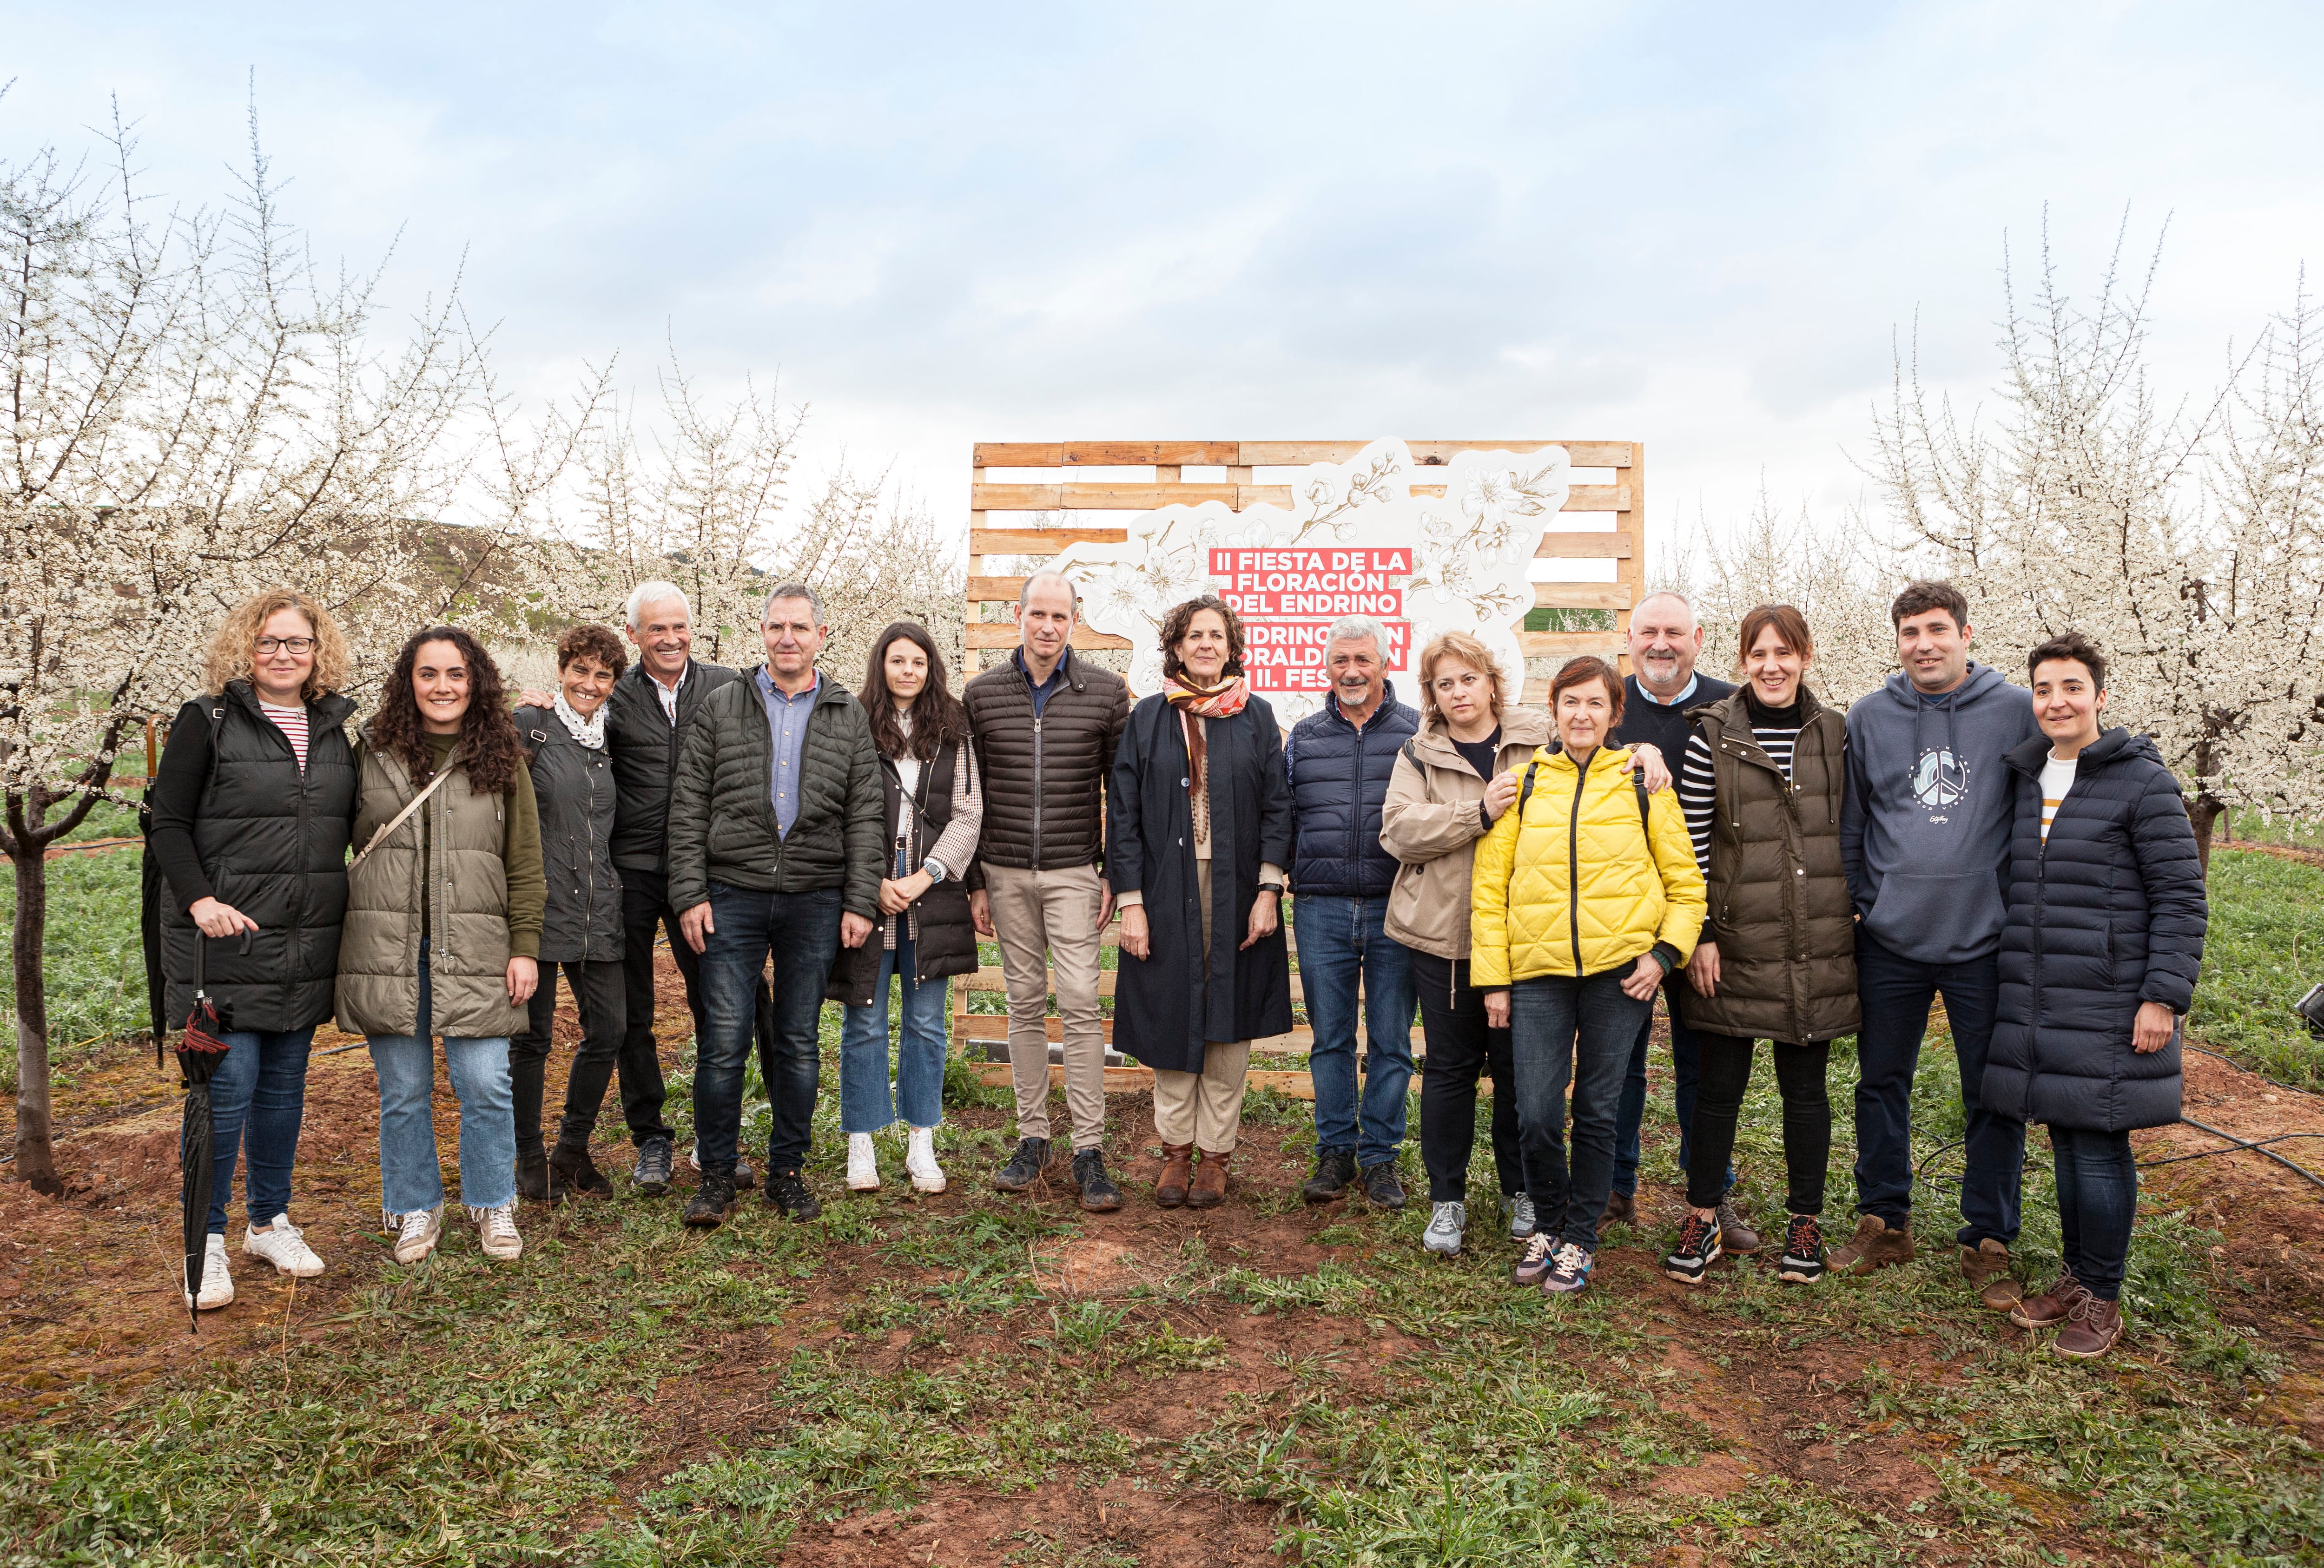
x,y
2092,1326
1876,1245
1209,1188
2048,1309
1986,1266
1177,1171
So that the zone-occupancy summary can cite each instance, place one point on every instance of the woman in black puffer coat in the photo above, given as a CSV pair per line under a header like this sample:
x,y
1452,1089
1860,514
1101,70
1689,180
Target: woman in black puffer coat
x,y
2098,959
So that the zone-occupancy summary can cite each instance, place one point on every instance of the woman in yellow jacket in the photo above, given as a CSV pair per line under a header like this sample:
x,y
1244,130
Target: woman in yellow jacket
x,y
1583,898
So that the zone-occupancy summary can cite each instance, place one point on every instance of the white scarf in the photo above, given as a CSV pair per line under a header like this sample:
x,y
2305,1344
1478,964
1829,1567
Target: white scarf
x,y
589,731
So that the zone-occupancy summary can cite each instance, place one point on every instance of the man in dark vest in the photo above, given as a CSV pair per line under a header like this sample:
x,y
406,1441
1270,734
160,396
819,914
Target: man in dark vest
x,y
1664,641
1339,760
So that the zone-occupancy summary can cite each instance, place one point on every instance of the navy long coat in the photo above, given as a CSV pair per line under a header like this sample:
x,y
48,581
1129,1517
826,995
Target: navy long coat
x,y
1166,1009
2109,914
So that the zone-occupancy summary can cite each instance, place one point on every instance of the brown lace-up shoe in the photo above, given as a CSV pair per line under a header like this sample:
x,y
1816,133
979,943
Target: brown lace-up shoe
x,y
1736,1236
2092,1326
1876,1245
1209,1188
1177,1171
2048,1309
1986,1266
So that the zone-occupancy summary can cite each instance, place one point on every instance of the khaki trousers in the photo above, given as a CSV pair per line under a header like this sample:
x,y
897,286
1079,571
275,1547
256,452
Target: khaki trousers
x,y
1039,917
1206,1108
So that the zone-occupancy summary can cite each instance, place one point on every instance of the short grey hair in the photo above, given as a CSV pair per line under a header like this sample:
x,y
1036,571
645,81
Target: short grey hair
x,y
1358,629
654,592
1025,593
792,591
1668,594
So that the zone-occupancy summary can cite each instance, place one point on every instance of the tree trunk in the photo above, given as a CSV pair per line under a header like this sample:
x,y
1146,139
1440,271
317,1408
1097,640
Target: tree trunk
x,y
2206,811
36,1155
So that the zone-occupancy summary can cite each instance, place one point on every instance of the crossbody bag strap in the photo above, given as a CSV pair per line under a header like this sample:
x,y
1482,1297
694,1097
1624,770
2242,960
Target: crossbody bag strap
x,y
401,817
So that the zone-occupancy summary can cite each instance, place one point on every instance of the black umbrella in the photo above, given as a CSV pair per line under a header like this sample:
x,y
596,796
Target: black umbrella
x,y
200,1048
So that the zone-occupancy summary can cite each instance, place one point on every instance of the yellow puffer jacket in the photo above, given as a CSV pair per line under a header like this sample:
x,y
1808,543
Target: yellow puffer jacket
x,y
1636,887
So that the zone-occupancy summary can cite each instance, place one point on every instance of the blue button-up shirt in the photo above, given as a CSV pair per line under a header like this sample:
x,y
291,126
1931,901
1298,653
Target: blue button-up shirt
x,y
787,719
1042,690
1685,693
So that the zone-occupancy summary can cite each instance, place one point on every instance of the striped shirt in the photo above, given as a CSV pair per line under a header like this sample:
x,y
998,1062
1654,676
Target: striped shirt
x,y
2057,777
293,723
1698,789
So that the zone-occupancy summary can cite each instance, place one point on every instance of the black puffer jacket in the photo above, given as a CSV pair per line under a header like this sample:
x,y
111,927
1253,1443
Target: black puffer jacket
x,y
1339,781
2109,914
572,788
721,814
1045,782
645,746
241,823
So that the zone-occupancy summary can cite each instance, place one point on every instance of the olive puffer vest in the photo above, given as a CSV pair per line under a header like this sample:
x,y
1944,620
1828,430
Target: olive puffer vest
x,y
273,842
467,911
943,937
574,789
1779,906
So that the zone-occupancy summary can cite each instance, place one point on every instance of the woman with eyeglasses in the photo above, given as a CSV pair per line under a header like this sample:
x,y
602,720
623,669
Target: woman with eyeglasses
x,y
249,810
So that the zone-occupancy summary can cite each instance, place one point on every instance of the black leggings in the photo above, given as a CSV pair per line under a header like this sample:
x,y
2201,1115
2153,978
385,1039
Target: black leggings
x,y
1461,1048
1726,1068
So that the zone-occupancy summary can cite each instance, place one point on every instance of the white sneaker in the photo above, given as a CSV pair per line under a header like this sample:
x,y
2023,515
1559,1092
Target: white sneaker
x,y
217,1285
417,1232
921,1161
285,1247
1446,1222
496,1231
863,1164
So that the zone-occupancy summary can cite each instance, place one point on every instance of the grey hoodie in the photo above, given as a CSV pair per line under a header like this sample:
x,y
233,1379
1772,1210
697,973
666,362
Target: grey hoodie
x,y
1924,830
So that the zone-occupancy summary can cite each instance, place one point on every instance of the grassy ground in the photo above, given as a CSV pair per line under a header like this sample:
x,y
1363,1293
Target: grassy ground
x,y
978,1378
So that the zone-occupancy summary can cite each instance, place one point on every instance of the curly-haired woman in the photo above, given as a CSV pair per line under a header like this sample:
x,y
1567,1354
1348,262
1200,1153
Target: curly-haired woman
x,y
581,928
1198,827
443,929
250,809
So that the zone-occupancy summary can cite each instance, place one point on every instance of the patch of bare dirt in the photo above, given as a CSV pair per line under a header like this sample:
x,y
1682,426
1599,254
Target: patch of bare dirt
x,y
1129,1518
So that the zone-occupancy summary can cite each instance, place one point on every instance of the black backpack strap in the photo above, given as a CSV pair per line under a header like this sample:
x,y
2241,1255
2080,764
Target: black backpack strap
x,y
1412,751
1524,793
1645,820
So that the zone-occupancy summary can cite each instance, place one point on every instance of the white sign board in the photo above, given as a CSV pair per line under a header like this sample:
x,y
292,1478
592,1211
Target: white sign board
x,y
1355,540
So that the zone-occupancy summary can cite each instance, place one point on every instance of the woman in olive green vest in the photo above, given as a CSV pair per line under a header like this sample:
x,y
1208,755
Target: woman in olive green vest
x,y
443,929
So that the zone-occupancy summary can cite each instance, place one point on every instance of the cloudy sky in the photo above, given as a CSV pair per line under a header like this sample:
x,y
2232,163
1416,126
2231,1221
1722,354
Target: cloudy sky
x,y
1697,225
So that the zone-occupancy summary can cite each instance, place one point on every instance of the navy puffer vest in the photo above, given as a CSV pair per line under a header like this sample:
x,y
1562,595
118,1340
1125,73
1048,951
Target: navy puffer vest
x,y
1339,780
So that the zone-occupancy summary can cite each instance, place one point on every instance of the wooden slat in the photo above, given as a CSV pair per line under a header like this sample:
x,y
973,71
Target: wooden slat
x,y
1003,634
1238,497
993,982
1282,453
1631,571
994,1026
1038,541
1140,1080
1545,595
1618,544
1101,453
1568,644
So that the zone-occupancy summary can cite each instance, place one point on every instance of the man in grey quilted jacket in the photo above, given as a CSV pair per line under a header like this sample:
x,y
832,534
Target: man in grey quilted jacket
x,y
775,822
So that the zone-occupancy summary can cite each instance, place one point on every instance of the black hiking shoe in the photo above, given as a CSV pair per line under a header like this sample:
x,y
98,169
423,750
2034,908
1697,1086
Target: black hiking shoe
x,y
1024,1166
1099,1195
707,1207
652,1178
573,1171
786,1190
1335,1169
1382,1187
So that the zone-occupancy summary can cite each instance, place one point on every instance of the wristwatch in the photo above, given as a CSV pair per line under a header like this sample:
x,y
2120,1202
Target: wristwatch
x,y
1275,888
935,868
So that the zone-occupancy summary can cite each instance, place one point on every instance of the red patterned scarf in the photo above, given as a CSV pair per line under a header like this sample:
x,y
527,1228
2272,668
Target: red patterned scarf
x,y
1192,702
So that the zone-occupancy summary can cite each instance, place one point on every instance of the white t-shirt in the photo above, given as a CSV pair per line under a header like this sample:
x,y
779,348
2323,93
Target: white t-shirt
x,y
2057,777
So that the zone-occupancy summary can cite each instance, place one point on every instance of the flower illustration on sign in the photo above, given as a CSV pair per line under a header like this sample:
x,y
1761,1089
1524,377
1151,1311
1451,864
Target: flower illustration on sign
x,y
1355,540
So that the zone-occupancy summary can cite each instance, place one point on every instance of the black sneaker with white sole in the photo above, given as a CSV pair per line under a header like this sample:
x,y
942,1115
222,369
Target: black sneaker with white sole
x,y
1697,1249
1803,1261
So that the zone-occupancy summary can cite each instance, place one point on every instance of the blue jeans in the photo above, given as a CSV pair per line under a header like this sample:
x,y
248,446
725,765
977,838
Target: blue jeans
x,y
2098,1200
864,1102
410,1176
1563,1029
258,1094
801,931
1896,992
1342,941
1686,1072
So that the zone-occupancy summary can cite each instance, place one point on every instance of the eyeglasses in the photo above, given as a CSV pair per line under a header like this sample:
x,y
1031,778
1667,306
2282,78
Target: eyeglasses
x,y
286,644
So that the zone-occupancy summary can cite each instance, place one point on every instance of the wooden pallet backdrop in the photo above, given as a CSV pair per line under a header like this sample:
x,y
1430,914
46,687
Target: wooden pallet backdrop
x,y
1017,477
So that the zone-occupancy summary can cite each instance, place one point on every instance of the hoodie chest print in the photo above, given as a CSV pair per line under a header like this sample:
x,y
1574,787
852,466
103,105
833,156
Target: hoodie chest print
x,y
1940,780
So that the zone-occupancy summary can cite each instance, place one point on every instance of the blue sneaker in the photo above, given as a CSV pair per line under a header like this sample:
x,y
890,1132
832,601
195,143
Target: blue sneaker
x,y
1569,1270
